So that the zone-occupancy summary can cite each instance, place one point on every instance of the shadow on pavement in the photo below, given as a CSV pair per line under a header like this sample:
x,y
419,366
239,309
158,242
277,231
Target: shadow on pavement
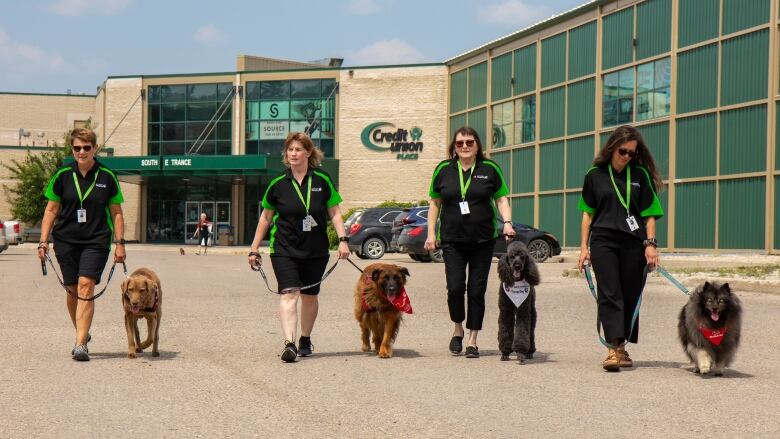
x,y
164,356
397,353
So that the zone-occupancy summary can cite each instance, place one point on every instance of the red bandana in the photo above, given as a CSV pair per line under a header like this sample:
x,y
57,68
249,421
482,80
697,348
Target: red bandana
x,y
401,301
715,336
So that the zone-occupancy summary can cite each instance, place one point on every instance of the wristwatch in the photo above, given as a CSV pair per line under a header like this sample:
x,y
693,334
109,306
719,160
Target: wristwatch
x,y
650,241
343,239
120,241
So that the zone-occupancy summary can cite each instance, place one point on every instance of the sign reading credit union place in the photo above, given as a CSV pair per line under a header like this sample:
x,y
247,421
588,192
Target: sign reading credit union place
x,y
385,137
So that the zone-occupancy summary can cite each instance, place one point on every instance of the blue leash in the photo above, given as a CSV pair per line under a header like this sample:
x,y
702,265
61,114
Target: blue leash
x,y
592,288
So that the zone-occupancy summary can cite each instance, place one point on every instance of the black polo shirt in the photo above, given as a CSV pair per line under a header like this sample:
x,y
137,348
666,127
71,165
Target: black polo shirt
x,y
97,231
487,184
600,200
287,235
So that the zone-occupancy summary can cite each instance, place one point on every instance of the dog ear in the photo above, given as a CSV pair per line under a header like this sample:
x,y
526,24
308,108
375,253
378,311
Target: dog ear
x,y
705,286
375,275
725,287
531,271
504,270
405,272
124,286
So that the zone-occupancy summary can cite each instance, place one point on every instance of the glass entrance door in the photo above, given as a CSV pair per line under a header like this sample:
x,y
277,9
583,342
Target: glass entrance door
x,y
218,213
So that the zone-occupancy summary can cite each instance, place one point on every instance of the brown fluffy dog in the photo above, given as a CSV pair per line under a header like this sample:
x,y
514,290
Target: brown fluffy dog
x,y
379,286
142,298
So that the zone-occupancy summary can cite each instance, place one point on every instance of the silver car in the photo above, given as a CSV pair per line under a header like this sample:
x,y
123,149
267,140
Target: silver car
x,y
14,232
3,241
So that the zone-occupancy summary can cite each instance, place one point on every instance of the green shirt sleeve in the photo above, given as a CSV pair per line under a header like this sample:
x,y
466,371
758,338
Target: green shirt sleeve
x,y
650,204
334,198
53,191
434,188
587,197
268,198
503,189
117,198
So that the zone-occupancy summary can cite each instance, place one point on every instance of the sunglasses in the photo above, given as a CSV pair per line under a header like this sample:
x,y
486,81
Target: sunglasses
x,y
460,143
625,152
86,148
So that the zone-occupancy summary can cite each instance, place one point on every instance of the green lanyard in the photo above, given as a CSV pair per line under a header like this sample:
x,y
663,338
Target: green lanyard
x,y
306,203
464,188
627,201
89,190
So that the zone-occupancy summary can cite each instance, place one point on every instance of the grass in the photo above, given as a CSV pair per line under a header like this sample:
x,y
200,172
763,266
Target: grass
x,y
755,271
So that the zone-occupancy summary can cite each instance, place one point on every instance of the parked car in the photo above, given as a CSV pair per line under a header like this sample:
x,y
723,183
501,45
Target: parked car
x,y
14,232
541,245
3,241
370,231
409,216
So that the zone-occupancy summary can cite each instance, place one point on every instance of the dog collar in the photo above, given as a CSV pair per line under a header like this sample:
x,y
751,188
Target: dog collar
x,y
153,308
714,336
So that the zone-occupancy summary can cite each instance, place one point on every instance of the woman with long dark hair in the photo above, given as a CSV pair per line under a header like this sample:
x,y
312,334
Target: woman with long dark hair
x,y
469,190
620,208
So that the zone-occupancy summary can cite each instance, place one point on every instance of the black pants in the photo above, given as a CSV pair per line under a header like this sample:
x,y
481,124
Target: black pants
x,y
476,258
619,262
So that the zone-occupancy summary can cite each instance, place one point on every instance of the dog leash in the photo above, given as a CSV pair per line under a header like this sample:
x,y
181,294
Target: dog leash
x,y
634,317
76,296
674,281
259,268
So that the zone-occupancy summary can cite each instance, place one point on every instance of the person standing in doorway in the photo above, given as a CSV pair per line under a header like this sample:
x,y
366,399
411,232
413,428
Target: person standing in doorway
x,y
85,200
619,212
469,191
202,233
296,208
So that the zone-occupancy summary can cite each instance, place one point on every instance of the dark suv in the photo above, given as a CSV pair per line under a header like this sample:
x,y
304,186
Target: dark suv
x,y
370,231
409,216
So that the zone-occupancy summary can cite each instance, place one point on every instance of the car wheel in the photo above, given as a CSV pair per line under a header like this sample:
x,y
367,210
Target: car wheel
x,y
423,257
414,257
373,248
539,249
436,256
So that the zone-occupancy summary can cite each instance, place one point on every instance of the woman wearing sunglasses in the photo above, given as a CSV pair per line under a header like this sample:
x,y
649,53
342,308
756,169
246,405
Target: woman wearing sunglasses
x,y
620,209
85,199
467,189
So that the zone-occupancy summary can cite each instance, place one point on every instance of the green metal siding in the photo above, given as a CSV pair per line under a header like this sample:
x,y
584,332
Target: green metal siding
x,y
698,21
697,79
653,28
777,213
501,77
551,214
477,85
554,60
523,210
503,160
573,221
579,157
581,110
661,225
582,50
694,220
743,140
777,142
744,71
553,112
551,166
696,145
742,213
657,140
525,69
523,170
458,88
744,14
455,123
477,119
617,39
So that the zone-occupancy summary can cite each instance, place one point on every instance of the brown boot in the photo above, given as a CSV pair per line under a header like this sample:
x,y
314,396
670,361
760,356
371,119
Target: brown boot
x,y
625,360
612,362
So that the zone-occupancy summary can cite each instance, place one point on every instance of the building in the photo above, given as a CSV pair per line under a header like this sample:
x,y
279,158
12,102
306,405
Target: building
x,y
700,78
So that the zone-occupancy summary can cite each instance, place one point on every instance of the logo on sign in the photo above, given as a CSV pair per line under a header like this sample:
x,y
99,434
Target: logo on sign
x,y
384,136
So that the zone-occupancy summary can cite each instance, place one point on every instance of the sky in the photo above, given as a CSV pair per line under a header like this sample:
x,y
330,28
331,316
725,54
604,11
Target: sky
x,y
52,46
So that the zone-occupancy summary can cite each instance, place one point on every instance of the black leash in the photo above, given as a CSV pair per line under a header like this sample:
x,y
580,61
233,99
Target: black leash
x,y
76,296
259,268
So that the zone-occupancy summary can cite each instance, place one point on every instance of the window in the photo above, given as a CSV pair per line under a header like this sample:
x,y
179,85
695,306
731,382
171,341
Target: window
x,y
514,122
276,108
503,124
525,119
649,81
179,116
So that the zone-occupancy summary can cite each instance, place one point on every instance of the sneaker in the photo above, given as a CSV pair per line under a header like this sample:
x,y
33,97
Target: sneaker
x,y
472,352
290,352
89,339
81,353
624,359
456,345
304,346
612,362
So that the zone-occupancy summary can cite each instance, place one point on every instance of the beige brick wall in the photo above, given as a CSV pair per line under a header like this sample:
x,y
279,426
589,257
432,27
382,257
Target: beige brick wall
x,y
406,97
49,115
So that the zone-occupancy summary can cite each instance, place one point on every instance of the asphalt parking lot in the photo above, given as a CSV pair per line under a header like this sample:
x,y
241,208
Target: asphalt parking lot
x,y
220,375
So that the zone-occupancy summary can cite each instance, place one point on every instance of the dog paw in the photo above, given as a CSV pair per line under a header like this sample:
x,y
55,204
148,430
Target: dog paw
x,y
705,370
385,353
139,350
131,355
155,354
365,348
696,370
504,357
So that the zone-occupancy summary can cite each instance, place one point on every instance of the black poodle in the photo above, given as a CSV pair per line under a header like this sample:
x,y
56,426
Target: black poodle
x,y
517,302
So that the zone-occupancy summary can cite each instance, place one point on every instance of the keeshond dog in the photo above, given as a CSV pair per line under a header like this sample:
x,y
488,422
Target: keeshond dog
x,y
709,327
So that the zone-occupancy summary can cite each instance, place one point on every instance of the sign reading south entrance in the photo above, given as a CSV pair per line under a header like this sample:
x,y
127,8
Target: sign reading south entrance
x,y
384,136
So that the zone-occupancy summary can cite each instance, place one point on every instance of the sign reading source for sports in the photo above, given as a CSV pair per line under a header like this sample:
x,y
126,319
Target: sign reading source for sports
x,y
385,137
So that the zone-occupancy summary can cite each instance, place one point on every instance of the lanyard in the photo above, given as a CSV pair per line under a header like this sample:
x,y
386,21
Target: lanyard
x,y
89,190
306,203
464,188
627,201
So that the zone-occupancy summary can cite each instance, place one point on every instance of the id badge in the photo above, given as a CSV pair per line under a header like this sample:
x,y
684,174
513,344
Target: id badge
x,y
632,224
81,215
306,224
464,208
311,221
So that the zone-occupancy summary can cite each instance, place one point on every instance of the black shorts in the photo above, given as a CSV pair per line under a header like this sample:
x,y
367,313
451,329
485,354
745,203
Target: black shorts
x,y
295,272
76,261
204,240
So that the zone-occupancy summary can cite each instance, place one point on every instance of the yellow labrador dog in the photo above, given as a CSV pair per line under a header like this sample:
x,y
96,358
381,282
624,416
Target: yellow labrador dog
x,y
142,298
